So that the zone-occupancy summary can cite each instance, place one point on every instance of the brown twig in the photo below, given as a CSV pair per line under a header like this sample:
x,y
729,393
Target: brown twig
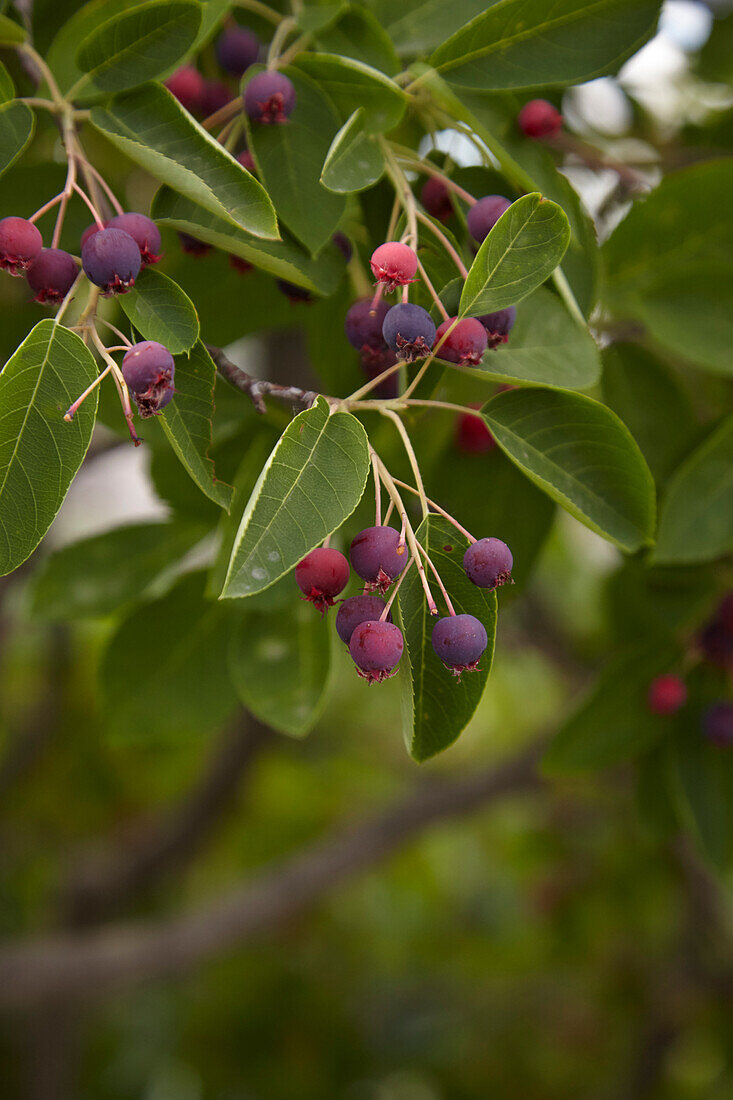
x,y
256,388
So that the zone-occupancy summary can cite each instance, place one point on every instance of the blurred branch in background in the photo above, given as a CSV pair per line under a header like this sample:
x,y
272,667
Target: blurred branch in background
x,y
87,966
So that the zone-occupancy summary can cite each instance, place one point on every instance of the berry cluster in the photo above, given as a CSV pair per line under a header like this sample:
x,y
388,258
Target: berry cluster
x,y
379,555
668,694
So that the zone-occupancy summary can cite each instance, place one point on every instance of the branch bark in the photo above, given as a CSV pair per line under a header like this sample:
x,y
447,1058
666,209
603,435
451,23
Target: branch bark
x,y
256,388
118,957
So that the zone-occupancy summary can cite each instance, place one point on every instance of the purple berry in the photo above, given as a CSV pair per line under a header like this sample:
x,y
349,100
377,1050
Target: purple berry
x,y
718,724
357,610
148,369
237,49
539,119
488,563
20,243
193,246
409,330
376,360
435,197
321,575
292,292
394,264
376,648
465,344
143,231
459,641
484,214
344,245
214,96
498,325
378,556
187,85
52,275
247,161
89,232
363,327
111,260
269,97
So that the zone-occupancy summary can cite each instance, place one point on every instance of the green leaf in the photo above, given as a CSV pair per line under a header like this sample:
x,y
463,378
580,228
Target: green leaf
x,y
418,26
138,45
84,22
670,264
7,88
312,20
696,515
160,310
11,33
530,44
40,452
648,398
311,483
614,723
97,576
583,457
352,84
152,129
703,784
715,60
17,123
521,251
290,158
546,346
359,35
164,673
438,705
285,259
187,422
354,161
280,664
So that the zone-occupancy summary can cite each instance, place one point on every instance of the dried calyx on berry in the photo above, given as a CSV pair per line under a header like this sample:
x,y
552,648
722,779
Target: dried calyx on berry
x,y
409,330
394,264
269,98
498,325
111,260
488,563
322,575
465,343
459,641
148,369
144,233
20,244
376,647
51,276
378,555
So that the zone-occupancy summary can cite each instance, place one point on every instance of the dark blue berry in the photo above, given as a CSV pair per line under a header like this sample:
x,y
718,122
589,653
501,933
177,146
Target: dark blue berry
x,y
484,214
718,724
498,325
52,275
409,330
376,648
143,231
357,610
237,49
269,97
148,369
459,641
321,575
20,244
488,563
377,556
111,260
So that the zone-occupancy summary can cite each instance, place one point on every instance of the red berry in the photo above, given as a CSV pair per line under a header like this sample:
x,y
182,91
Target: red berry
x,y
484,214
378,556
247,161
187,85
52,275
459,641
20,243
321,575
472,435
269,97
666,694
394,264
539,119
376,648
488,563
465,344
435,197
143,231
